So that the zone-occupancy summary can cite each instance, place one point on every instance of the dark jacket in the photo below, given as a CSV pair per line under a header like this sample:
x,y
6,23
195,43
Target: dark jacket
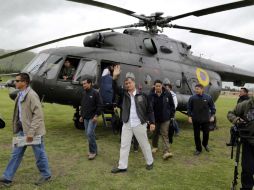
x,y
106,89
143,107
163,105
242,98
245,111
201,108
90,104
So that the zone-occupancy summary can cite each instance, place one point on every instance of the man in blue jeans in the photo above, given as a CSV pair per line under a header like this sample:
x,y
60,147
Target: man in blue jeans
x,y
28,121
90,110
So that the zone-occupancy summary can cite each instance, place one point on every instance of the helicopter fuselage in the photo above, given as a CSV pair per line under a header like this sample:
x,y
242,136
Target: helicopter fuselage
x,y
147,56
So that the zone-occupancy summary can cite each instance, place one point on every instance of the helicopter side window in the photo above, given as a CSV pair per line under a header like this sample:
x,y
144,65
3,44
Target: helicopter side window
x,y
69,68
86,68
150,45
51,67
36,63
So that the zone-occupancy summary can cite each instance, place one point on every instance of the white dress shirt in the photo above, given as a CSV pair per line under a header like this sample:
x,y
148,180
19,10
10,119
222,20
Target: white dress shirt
x,y
134,120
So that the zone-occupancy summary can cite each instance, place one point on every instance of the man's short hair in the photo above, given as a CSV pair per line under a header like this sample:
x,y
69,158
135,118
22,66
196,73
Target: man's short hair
x,y
245,90
157,81
170,86
199,86
88,80
24,77
129,77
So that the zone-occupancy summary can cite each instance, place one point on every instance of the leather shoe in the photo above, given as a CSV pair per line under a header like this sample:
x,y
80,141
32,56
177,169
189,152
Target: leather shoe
x,y
149,166
42,180
92,156
207,149
196,153
5,182
117,170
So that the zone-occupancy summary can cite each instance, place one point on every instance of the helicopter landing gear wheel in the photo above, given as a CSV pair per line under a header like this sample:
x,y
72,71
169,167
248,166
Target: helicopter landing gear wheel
x,y
77,123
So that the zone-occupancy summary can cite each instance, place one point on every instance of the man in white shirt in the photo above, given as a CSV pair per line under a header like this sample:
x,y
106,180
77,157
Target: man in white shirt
x,y
136,111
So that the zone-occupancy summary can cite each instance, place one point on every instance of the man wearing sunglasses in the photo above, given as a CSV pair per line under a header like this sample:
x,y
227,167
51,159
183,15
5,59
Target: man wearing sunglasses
x,y
28,121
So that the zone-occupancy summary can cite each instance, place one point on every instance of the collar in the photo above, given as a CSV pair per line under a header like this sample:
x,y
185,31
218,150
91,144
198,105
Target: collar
x,y
23,93
134,93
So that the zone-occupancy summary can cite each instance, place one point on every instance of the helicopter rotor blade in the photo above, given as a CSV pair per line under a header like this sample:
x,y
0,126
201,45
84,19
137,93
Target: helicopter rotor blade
x,y
215,34
112,8
65,38
216,9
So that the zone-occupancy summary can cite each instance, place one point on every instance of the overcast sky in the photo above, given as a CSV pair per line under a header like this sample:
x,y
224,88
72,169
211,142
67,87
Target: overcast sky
x,y
27,22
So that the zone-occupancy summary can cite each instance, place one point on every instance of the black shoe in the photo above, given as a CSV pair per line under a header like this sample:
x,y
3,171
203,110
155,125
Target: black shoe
x,y
117,170
149,167
231,144
196,153
4,182
207,148
42,180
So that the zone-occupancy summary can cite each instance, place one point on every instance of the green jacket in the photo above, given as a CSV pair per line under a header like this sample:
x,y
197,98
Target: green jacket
x,y
242,111
245,111
68,72
32,115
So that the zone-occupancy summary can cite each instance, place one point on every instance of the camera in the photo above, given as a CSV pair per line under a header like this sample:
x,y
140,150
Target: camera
x,y
235,133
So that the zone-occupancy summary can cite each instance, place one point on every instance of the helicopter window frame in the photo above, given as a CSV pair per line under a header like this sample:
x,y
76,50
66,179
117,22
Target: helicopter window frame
x,y
74,61
150,45
51,67
36,63
84,69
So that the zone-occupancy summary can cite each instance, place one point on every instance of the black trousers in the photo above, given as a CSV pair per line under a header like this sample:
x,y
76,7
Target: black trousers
x,y
197,128
247,166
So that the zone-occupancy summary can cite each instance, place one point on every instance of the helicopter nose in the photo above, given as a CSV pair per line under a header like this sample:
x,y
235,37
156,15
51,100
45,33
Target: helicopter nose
x,y
10,83
13,94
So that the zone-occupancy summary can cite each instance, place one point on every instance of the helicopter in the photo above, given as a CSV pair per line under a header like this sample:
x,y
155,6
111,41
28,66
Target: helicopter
x,y
145,54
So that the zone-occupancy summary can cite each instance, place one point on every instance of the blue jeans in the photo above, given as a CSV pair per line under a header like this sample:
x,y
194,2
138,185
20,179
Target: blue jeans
x,y
89,129
176,127
17,155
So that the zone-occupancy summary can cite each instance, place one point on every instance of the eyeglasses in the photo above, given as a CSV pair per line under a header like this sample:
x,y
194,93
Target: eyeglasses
x,y
18,80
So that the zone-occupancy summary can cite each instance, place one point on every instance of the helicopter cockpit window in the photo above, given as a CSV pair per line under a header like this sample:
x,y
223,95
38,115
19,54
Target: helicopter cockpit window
x,y
150,45
86,68
51,67
36,63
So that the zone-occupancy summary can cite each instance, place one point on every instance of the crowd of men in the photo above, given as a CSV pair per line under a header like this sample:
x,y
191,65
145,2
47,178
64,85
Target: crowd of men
x,y
139,111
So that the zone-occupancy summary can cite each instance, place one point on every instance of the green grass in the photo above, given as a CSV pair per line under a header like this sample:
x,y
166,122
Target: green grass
x,y
67,151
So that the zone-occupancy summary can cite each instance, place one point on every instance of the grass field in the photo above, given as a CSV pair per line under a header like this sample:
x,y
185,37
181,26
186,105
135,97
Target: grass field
x,y
67,151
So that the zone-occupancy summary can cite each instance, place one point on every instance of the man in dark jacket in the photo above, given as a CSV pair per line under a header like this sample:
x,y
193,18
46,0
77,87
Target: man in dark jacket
x,y
164,111
201,111
243,95
244,112
90,110
136,111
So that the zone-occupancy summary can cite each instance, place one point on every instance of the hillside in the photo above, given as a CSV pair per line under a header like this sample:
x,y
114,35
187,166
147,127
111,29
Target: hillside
x,y
15,63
